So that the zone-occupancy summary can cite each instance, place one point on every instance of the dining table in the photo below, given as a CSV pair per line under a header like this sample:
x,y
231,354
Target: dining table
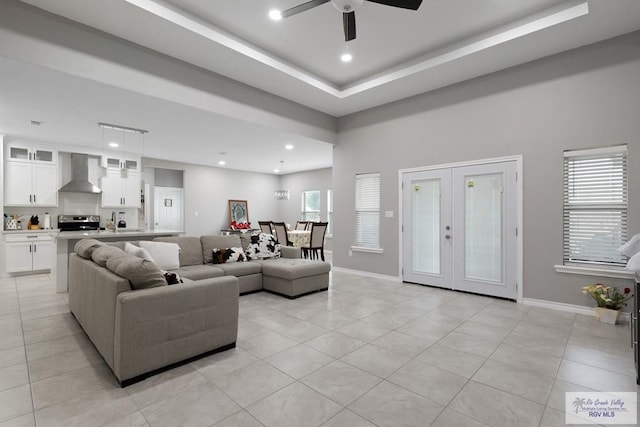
x,y
299,238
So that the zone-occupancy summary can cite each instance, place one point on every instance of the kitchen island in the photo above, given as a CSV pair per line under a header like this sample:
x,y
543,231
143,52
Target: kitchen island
x,y
67,240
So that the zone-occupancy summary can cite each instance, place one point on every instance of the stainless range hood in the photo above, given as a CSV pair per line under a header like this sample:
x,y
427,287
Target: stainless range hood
x,y
80,176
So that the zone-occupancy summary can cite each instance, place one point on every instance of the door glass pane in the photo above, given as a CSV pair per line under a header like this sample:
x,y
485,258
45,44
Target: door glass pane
x,y
44,155
483,227
19,153
425,197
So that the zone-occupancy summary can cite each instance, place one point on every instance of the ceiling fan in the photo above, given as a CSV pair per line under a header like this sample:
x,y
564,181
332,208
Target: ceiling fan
x,y
348,8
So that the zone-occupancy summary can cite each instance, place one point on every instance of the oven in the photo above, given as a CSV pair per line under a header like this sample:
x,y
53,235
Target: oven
x,y
78,222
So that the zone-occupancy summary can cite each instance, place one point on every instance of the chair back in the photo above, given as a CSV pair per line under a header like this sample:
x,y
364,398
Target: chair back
x,y
302,225
318,230
281,232
265,227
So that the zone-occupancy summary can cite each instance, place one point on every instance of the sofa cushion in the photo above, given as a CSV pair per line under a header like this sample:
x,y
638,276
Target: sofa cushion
x,y
228,255
199,272
210,242
291,269
102,254
166,255
263,246
85,247
137,251
240,268
142,274
190,249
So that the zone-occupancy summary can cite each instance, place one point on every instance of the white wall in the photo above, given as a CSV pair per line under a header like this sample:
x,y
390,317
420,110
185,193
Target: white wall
x,y
588,97
207,191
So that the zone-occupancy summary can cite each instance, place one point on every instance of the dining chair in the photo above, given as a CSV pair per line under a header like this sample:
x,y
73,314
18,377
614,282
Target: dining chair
x,y
281,233
316,243
302,225
265,227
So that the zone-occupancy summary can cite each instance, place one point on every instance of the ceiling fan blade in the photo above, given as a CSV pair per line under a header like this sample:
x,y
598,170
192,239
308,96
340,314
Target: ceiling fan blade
x,y
349,23
405,4
302,7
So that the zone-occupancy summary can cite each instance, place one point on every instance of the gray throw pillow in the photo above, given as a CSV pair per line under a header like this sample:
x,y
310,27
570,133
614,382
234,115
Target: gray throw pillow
x,y
85,247
142,274
102,254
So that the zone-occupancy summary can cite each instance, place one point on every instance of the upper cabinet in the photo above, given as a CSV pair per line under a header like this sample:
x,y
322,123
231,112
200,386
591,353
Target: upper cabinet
x,y
31,176
121,162
120,191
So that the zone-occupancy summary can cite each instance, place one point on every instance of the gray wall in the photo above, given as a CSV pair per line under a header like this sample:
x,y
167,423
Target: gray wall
x,y
589,97
207,191
296,183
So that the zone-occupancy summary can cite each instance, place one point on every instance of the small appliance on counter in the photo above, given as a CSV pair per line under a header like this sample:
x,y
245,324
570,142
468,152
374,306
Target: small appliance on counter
x,y
78,222
120,219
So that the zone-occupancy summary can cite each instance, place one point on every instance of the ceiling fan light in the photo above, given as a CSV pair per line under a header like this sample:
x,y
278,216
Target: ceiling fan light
x,y
274,14
346,57
346,5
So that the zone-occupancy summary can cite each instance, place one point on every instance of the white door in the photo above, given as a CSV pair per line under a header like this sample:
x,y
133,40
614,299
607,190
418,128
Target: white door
x,y
19,257
45,184
44,254
131,190
18,184
484,229
111,185
426,220
167,211
459,228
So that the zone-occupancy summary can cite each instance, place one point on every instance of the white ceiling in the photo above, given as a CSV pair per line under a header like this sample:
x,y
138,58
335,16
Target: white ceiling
x,y
398,53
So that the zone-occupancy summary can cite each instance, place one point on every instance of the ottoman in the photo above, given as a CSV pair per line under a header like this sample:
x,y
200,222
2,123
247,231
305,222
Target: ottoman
x,y
295,277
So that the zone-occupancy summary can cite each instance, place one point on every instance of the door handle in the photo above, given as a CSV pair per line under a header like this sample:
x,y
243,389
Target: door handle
x,y
30,248
34,198
35,248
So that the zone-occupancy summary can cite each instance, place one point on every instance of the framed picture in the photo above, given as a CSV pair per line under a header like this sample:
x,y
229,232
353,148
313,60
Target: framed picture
x,y
238,211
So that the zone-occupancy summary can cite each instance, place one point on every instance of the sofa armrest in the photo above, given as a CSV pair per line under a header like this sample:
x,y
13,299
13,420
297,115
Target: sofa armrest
x,y
291,252
160,326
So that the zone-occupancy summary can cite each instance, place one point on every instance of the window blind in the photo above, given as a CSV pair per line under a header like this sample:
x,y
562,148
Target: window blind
x,y
368,210
595,205
311,205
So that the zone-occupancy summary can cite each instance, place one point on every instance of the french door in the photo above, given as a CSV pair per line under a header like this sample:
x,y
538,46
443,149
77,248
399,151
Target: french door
x,y
459,228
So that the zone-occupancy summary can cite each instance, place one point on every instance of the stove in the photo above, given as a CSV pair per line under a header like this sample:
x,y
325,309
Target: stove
x,y
78,222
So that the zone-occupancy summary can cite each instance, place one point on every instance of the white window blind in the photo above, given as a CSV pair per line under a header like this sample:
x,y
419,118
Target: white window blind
x,y
595,205
368,210
330,212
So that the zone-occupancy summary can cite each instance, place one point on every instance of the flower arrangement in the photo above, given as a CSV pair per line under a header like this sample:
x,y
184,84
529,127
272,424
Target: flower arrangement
x,y
607,296
240,225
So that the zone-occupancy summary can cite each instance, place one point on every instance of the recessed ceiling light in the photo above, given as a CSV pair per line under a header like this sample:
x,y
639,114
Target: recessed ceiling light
x,y
275,15
346,57
113,144
289,147
276,170
222,163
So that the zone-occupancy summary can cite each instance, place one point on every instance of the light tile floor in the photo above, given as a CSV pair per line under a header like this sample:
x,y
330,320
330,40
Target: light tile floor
x,y
367,352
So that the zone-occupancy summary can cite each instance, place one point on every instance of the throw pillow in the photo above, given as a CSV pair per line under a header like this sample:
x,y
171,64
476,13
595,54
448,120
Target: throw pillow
x,y
172,278
634,263
263,246
225,255
137,251
166,255
142,274
102,254
85,247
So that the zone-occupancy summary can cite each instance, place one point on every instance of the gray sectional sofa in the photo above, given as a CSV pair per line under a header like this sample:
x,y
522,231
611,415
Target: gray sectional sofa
x,y
141,326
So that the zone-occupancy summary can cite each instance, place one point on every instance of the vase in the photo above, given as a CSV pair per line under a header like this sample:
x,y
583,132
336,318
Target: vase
x,y
606,315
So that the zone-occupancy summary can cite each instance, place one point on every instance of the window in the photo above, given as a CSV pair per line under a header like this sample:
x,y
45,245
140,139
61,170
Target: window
x,y
311,205
368,210
330,212
595,206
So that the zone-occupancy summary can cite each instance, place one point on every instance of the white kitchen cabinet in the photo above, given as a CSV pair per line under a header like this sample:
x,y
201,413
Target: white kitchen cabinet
x,y
120,162
120,192
19,152
30,184
29,252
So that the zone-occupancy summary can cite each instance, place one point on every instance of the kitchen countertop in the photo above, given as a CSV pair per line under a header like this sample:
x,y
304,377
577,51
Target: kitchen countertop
x,y
42,230
108,234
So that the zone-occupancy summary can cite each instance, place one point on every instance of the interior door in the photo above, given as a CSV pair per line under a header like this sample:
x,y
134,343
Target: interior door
x,y
168,208
426,222
484,224
459,228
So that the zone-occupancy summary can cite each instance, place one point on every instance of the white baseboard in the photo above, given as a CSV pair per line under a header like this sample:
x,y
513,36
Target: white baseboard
x,y
569,308
367,274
